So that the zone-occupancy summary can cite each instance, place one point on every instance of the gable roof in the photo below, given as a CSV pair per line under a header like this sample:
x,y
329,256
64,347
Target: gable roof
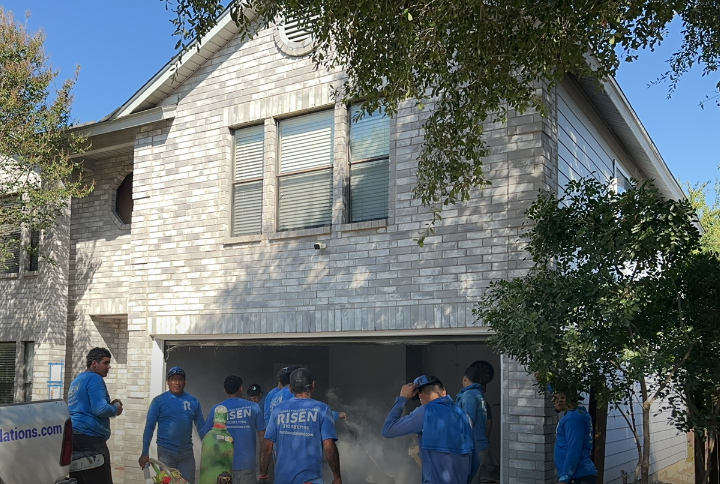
x,y
606,97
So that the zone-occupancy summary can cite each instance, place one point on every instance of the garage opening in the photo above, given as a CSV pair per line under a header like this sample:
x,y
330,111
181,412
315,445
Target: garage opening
x,y
359,379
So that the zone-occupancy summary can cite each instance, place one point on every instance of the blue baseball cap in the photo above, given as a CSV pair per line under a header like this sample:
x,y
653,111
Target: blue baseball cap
x,y
423,380
176,370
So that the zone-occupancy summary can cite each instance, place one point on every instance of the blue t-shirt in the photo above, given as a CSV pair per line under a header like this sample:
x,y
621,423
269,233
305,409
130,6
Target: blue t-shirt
x,y
448,460
174,416
244,421
266,407
573,445
89,404
298,427
472,401
282,395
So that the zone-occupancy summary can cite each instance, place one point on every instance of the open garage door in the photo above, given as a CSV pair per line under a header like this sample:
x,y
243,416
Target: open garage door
x,y
361,379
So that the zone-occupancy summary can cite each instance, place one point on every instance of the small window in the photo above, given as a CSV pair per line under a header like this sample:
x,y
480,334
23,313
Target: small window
x,y
622,181
28,360
369,166
33,256
10,238
305,174
7,372
124,200
248,181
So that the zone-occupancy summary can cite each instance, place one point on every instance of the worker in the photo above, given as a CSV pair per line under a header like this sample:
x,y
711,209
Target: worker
x,y
301,429
447,447
574,441
472,401
271,394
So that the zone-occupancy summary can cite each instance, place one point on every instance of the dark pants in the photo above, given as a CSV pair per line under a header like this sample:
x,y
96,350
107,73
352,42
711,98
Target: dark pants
x,y
99,475
583,480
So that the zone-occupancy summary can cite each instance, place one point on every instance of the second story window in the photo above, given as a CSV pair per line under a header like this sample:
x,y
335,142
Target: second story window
x,y
10,238
305,171
247,181
369,166
124,199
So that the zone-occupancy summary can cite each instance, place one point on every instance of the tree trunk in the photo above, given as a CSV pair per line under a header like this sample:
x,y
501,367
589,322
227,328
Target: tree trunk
x,y
699,458
599,418
645,466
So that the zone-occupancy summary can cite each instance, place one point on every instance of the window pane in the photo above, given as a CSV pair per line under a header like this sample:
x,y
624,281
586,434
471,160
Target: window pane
x,y
249,153
370,136
369,190
305,200
7,372
33,258
247,208
306,142
11,248
247,197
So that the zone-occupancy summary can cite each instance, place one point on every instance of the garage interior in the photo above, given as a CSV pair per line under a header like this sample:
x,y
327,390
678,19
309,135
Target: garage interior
x,y
361,379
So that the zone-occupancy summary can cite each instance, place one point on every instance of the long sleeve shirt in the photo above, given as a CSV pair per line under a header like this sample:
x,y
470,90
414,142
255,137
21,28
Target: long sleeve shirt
x,y
174,416
573,446
440,465
89,404
472,401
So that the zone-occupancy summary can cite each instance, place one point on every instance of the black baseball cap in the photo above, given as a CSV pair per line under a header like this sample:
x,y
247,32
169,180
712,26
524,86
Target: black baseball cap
x,y
301,379
282,372
254,390
176,370
424,380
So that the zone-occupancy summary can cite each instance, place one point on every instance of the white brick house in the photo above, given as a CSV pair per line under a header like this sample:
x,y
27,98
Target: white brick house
x,y
267,228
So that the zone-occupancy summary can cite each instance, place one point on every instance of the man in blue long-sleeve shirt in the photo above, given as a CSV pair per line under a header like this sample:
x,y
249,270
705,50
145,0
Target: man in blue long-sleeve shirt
x,y
574,442
447,447
90,412
472,401
174,412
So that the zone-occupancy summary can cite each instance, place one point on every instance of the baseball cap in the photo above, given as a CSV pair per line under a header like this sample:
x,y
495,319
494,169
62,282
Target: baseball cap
x,y
176,370
423,380
282,372
254,390
301,379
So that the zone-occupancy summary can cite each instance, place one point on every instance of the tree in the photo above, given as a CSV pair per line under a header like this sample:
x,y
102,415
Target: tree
x,y
709,215
36,171
471,60
602,305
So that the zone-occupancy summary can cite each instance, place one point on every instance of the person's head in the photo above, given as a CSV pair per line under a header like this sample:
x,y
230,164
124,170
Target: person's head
x,y
429,388
176,380
472,375
563,401
98,361
233,386
255,393
285,379
302,382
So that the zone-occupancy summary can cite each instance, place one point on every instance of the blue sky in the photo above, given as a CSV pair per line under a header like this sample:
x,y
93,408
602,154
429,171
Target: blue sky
x,y
122,44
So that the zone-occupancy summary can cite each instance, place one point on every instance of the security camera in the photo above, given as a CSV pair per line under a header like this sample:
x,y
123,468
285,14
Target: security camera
x,y
319,245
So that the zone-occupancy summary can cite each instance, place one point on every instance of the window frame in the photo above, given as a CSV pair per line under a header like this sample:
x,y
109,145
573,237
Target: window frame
x,y
246,181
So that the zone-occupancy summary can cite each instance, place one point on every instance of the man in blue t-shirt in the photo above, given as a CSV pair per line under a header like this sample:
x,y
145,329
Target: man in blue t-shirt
x,y
574,442
283,393
174,413
301,430
447,448
244,422
271,394
472,401
90,411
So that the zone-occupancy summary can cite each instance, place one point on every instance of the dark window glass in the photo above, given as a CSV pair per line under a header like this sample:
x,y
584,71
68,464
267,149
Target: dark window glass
x,y
124,200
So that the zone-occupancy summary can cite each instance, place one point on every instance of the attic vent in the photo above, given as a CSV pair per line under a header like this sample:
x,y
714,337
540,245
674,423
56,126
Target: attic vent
x,y
294,31
293,38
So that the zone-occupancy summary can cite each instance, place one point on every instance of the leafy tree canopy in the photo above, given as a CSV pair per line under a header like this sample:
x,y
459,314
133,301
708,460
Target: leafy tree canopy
x,y
708,214
472,60
36,172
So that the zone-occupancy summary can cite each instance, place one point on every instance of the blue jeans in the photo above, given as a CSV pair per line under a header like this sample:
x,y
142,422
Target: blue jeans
x,y
183,460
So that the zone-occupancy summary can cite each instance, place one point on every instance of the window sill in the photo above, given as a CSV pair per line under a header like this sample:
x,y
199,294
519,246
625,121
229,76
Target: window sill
x,y
368,225
12,275
30,274
296,234
288,234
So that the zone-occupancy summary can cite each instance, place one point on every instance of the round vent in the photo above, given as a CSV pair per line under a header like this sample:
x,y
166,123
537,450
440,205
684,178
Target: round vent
x,y
293,38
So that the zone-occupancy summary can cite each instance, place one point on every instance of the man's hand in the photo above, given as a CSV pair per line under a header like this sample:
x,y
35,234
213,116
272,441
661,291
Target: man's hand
x,y
263,480
118,405
408,391
337,481
342,415
144,460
